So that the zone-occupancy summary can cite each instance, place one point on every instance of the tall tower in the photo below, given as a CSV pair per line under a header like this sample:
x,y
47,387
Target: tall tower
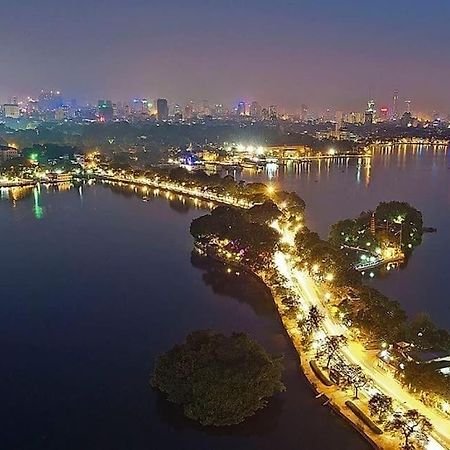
x,y
408,106
373,225
395,105
162,109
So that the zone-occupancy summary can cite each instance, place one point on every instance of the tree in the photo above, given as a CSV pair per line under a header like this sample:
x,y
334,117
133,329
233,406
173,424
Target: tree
x,y
380,405
313,319
330,347
264,213
253,242
426,378
424,333
218,380
356,378
377,315
412,427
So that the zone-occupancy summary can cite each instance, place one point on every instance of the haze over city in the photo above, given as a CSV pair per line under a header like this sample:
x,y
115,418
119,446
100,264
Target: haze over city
x,y
326,54
225,225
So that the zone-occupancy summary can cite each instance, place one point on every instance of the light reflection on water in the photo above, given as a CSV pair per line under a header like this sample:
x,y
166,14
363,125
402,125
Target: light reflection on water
x,y
91,294
418,174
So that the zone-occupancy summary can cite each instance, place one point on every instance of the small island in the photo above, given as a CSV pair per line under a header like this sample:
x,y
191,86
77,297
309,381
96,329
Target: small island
x,y
218,380
389,234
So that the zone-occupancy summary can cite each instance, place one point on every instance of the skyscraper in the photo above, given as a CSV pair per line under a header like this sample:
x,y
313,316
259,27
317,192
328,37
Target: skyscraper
x,y
105,110
255,110
162,109
189,111
241,109
395,106
408,106
304,113
273,112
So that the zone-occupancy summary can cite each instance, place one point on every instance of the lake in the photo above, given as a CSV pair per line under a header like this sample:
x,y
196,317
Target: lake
x,y
416,174
94,284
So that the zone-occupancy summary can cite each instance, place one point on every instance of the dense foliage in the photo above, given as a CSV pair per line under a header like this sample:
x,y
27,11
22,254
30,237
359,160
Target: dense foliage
x,y
396,223
254,242
152,136
312,250
218,380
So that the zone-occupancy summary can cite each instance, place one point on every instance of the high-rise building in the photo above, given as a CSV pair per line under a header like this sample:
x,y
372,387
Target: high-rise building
x,y
395,115
219,110
11,111
240,109
162,109
368,117
304,113
273,112
339,118
176,110
408,106
255,110
189,111
354,118
205,109
105,110
384,113
370,114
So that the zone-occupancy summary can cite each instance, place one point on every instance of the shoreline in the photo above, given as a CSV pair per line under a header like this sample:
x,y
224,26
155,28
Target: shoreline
x,y
335,396
338,407
18,184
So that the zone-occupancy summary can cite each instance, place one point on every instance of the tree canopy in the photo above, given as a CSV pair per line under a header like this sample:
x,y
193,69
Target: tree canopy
x,y
218,380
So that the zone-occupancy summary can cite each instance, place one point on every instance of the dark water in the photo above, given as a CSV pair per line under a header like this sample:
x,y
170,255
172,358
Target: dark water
x,y
94,284
417,174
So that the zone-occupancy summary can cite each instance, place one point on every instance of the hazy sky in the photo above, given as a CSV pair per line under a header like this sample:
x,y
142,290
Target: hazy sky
x,y
320,52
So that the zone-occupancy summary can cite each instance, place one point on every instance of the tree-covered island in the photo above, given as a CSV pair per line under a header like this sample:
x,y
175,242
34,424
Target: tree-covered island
x,y
218,380
388,234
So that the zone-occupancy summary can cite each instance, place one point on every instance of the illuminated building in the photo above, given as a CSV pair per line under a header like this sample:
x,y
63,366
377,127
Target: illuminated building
x,y
288,151
408,106
8,153
304,113
105,110
11,111
369,116
384,114
189,111
219,110
273,112
395,106
162,109
240,109
255,110
142,106
354,118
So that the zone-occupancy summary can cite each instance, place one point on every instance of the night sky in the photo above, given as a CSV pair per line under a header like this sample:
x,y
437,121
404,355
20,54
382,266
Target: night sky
x,y
325,53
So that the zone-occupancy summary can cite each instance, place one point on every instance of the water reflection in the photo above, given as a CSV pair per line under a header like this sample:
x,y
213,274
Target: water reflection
x,y
17,194
312,170
263,423
417,174
235,284
177,202
79,354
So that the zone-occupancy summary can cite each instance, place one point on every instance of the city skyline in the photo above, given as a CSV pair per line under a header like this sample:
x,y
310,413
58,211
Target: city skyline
x,y
288,54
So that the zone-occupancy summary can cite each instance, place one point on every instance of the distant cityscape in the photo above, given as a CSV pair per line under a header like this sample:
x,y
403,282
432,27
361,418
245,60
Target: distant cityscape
x,y
54,106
